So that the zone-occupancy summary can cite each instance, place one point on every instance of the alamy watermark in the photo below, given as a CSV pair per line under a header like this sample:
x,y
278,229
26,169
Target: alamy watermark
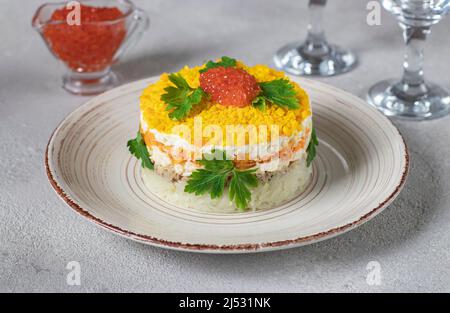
x,y
374,16
74,16
73,278
373,277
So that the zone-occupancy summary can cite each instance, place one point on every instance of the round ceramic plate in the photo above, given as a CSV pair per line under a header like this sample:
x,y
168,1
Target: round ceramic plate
x,y
361,167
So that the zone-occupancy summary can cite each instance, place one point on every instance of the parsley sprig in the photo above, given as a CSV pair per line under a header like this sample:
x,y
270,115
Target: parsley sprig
x,y
311,150
181,98
280,92
225,62
138,148
219,173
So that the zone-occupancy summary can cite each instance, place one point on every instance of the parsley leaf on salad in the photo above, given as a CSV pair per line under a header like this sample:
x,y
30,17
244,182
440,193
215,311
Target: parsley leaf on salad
x,y
311,150
181,98
280,92
259,103
218,174
239,183
225,62
138,148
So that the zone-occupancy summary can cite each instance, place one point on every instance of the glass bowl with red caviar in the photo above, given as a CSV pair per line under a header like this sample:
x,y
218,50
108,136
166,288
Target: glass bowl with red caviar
x,y
88,37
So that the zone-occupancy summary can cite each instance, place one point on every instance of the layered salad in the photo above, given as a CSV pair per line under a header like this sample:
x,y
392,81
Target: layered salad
x,y
225,137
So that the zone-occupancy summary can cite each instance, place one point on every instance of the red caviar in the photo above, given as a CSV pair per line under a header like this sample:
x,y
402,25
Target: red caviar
x,y
90,46
230,86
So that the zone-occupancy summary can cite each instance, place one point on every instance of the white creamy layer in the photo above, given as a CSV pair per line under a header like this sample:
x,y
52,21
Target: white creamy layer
x,y
262,151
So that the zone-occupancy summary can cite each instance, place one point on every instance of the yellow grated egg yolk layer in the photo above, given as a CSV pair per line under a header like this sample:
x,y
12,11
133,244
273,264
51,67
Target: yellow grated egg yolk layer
x,y
289,122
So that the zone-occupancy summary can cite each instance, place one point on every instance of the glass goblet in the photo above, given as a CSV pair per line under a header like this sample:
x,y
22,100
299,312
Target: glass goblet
x,y
315,56
412,97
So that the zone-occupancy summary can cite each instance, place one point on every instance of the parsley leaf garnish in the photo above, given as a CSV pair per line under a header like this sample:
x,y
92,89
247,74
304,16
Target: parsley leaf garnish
x,y
216,175
225,62
280,92
259,103
311,150
239,184
138,148
181,98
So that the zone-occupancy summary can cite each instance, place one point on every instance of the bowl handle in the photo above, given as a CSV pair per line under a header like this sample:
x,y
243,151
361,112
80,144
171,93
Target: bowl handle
x,y
139,24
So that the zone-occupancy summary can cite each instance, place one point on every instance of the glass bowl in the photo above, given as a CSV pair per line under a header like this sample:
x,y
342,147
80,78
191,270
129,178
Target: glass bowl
x,y
88,37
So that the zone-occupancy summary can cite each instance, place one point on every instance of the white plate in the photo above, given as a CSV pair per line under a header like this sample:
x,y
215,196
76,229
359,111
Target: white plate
x,y
361,167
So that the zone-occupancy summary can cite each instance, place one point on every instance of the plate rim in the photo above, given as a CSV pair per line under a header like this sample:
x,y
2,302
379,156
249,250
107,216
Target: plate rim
x,y
238,248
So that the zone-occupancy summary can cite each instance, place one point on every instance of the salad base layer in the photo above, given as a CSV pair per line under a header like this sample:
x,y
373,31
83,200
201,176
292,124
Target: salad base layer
x,y
281,188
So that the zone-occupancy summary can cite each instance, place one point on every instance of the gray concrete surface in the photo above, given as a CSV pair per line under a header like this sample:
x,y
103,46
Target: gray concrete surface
x,y
39,235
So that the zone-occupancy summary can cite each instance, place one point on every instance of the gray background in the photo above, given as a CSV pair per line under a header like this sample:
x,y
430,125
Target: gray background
x,y
39,235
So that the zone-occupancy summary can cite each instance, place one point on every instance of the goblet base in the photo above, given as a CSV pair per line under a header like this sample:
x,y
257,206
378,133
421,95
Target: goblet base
x,y
87,84
294,59
433,104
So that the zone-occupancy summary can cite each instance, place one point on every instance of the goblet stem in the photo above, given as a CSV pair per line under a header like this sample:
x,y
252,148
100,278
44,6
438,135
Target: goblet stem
x,y
316,44
413,85
314,56
411,98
